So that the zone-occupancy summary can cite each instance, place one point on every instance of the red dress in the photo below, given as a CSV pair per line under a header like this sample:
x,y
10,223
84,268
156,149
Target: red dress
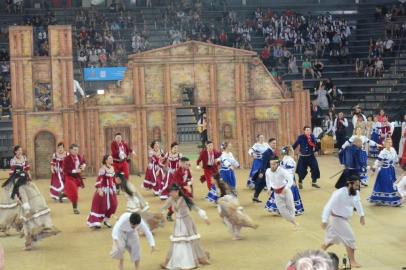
x,y
183,178
57,181
103,206
73,180
154,175
385,132
172,165
120,153
209,164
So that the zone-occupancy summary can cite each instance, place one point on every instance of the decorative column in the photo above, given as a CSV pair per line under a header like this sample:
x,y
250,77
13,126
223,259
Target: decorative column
x,y
21,53
213,109
60,43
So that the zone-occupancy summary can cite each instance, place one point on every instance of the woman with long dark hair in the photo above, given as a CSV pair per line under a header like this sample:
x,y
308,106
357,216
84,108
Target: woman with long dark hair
x,y
185,251
155,173
23,206
105,198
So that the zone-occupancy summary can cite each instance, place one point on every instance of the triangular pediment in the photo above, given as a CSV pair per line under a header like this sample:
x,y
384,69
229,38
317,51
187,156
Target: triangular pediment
x,y
195,49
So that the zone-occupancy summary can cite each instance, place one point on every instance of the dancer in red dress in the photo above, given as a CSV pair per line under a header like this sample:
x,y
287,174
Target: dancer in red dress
x,y
105,198
120,152
155,173
172,160
183,178
57,181
386,130
209,157
73,165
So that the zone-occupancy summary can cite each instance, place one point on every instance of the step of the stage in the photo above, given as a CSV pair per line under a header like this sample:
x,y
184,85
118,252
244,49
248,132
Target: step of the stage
x,y
190,150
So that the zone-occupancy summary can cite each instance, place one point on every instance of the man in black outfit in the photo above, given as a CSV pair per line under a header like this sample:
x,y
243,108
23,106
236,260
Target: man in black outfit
x,y
259,177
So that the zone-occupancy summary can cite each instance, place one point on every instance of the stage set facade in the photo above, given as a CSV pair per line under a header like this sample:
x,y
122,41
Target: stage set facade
x,y
241,98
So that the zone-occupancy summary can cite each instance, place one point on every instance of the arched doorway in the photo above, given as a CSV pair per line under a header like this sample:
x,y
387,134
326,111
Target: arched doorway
x,y
44,148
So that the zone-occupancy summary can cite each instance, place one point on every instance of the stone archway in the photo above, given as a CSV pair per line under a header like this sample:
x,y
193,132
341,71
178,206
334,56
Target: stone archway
x,y
44,148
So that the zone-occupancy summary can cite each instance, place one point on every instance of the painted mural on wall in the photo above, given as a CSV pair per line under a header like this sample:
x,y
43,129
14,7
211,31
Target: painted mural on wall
x,y
266,113
118,95
264,85
43,97
202,80
225,83
154,84
181,75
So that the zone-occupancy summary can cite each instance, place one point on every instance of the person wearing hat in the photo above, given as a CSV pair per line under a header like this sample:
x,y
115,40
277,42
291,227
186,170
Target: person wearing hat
x,y
280,181
336,215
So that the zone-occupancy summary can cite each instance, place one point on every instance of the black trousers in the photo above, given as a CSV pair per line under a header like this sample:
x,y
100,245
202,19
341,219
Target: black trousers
x,y
203,137
308,162
340,138
260,184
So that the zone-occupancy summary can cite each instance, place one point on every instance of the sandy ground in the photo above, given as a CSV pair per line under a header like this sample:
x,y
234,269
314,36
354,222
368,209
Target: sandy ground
x,y
381,243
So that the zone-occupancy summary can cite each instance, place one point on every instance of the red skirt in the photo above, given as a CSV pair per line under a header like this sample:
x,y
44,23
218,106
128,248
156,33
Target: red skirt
x,y
57,185
72,185
102,207
154,179
166,185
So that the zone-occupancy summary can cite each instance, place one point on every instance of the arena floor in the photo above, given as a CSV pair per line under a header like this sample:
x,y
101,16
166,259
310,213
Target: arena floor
x,y
381,243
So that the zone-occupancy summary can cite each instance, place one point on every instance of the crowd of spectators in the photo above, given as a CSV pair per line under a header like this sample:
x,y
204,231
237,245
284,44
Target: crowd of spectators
x,y
5,85
101,40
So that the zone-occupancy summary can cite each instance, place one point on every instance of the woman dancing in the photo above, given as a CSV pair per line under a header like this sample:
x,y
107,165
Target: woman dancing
x,y
32,215
289,164
105,202
185,251
57,181
384,192
233,215
172,159
228,164
155,173
256,152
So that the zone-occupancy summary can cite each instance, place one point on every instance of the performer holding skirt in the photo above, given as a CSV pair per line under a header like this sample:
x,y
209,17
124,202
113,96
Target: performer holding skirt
x,y
233,215
256,152
228,164
384,192
33,215
57,181
172,159
363,154
185,251
105,198
289,164
155,173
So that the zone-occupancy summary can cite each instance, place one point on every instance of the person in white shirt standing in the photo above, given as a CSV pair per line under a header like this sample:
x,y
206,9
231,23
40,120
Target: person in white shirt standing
x,y
336,215
125,237
281,181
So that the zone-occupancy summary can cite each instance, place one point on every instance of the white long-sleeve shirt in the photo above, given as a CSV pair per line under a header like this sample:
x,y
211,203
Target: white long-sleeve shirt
x,y
123,225
278,179
342,204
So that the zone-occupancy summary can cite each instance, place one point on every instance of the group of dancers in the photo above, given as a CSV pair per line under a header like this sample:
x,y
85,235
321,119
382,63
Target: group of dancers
x,y
168,176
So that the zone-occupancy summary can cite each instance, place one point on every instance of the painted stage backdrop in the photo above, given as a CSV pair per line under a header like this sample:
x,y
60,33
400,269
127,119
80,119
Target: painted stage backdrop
x,y
241,98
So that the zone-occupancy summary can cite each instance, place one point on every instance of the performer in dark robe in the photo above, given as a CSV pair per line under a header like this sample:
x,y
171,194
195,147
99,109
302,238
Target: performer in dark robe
x,y
350,157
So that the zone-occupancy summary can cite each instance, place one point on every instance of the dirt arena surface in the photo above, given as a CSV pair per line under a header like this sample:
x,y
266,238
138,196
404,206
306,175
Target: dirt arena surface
x,y
381,243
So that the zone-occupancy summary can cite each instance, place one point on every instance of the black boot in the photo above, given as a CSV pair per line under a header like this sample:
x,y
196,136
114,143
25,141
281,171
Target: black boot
x,y
75,209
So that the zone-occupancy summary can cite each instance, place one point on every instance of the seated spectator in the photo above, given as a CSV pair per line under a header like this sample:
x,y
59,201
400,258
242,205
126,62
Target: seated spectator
x,y
318,67
265,55
335,95
311,260
388,46
5,69
307,67
379,68
292,66
369,67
